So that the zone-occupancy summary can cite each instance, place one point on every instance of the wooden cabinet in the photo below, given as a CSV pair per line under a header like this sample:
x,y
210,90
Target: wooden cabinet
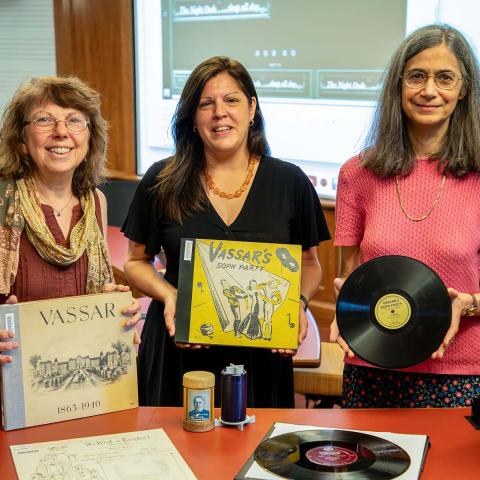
x,y
94,41
322,305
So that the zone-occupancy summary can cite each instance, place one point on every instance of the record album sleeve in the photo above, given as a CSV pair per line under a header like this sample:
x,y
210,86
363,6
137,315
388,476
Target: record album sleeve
x,y
416,446
75,359
238,293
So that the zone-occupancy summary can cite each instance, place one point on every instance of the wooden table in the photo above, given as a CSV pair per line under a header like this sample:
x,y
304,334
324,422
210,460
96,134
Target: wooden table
x,y
308,354
454,452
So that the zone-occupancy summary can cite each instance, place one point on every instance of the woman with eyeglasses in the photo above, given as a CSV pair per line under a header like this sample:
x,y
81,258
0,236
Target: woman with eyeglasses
x,y
53,142
414,191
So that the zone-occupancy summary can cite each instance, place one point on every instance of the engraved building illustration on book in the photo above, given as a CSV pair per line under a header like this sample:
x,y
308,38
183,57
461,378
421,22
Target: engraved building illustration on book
x,y
80,371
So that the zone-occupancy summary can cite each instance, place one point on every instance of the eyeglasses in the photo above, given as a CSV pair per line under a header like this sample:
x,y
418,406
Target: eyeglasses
x,y
443,80
46,123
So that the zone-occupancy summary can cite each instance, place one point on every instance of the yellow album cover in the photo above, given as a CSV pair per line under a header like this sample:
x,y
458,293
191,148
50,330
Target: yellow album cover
x,y
75,359
238,293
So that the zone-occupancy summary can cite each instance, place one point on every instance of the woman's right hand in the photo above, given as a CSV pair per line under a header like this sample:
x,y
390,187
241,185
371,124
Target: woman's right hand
x,y
5,336
170,302
142,273
334,332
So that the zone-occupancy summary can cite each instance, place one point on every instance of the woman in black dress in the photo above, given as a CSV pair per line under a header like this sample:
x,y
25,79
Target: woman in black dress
x,y
219,184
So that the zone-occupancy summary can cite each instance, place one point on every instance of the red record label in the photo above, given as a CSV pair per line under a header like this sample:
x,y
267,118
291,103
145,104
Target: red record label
x,y
331,456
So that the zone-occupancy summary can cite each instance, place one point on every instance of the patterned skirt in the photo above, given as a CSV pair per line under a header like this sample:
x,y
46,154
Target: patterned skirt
x,y
367,387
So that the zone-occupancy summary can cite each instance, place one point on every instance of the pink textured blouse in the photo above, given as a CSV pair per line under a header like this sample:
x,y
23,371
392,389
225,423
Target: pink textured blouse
x,y
368,214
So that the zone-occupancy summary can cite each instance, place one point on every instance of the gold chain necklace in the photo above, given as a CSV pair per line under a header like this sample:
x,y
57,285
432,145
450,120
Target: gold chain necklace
x,y
212,187
57,212
432,208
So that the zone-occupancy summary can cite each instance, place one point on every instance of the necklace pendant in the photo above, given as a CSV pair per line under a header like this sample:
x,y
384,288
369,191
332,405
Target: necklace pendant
x,y
58,213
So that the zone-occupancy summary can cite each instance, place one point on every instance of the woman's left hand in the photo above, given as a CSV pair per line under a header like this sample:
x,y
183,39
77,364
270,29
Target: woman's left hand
x,y
132,310
302,333
460,302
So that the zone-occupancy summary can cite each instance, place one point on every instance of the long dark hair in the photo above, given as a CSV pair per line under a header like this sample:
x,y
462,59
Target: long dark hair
x,y
179,184
388,150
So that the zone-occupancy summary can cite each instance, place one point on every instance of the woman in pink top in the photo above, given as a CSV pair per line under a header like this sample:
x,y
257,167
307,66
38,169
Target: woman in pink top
x,y
414,191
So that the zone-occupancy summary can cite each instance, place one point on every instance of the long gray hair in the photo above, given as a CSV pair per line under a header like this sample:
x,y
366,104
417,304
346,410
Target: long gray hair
x,y
388,150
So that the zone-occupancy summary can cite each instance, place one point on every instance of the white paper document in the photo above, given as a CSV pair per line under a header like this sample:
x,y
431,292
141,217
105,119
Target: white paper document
x,y
146,455
414,445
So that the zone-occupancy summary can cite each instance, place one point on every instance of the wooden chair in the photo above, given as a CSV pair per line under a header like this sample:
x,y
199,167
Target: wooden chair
x,y
322,385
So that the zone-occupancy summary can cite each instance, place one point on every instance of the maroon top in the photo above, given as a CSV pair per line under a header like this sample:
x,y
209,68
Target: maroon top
x,y
38,279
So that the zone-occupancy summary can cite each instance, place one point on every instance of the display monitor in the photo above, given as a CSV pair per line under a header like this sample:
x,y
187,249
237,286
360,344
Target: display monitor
x,y
317,66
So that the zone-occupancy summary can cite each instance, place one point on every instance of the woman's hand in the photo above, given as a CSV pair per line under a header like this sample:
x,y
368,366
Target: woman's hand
x,y
170,302
334,332
6,345
460,303
132,311
5,336
302,333
113,287
191,346
303,326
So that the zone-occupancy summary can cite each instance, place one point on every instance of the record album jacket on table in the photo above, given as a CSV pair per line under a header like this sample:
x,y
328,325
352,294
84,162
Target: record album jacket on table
x,y
75,359
306,452
238,293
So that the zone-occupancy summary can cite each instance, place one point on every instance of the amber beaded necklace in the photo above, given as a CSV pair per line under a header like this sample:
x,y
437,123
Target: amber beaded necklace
x,y
237,193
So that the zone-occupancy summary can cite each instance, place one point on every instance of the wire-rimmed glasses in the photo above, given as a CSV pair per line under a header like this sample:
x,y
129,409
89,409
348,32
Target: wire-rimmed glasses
x,y
47,123
445,80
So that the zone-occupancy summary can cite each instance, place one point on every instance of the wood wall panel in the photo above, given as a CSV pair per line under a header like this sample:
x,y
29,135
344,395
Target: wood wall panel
x,y
94,41
322,305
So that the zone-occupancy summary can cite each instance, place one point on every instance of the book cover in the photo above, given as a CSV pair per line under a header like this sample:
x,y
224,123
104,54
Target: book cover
x,y
147,454
75,359
238,293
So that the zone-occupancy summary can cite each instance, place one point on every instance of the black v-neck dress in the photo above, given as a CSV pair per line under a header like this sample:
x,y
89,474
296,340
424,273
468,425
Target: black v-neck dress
x,y
281,207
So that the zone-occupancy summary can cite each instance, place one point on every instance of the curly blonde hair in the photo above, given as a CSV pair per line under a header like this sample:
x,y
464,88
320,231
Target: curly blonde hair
x,y
66,92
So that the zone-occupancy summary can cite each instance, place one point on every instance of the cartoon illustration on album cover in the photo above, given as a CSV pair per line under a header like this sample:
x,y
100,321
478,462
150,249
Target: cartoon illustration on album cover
x,y
241,293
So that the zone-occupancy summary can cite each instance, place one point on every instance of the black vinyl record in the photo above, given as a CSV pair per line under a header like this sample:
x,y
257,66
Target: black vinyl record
x,y
331,454
393,311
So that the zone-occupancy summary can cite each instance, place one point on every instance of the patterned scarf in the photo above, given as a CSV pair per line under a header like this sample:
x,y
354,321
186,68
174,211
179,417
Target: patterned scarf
x,y
19,208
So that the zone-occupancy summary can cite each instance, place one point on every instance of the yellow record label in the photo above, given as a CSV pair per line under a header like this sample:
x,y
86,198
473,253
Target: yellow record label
x,y
393,311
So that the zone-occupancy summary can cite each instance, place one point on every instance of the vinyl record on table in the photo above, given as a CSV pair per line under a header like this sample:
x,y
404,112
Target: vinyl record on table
x,y
331,454
393,311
